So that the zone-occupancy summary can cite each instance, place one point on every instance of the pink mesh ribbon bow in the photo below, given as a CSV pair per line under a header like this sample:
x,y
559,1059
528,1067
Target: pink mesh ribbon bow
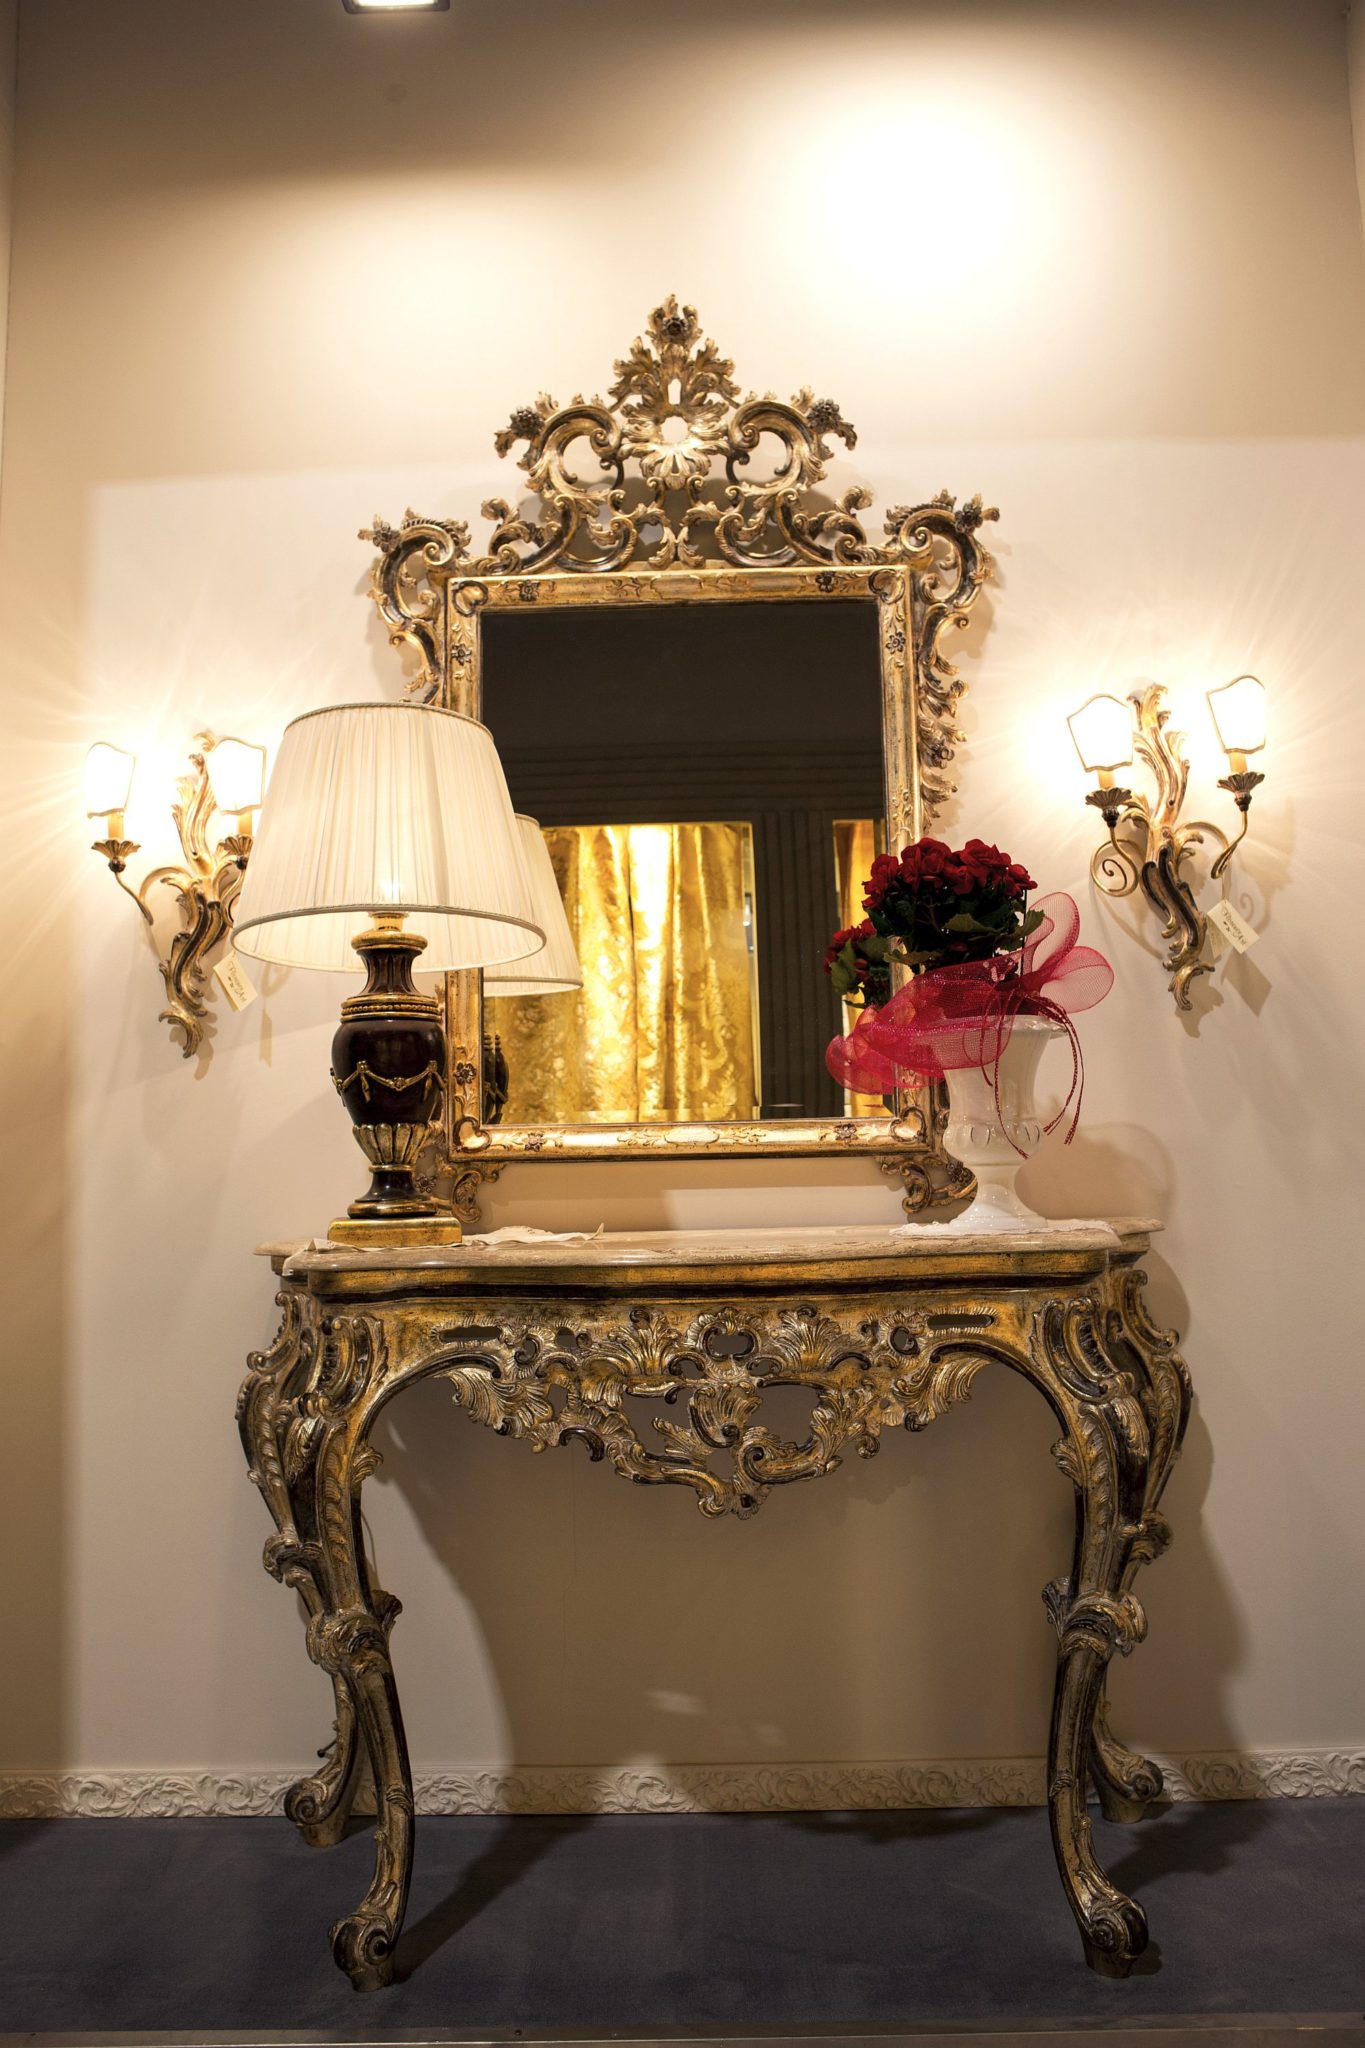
x,y
962,1016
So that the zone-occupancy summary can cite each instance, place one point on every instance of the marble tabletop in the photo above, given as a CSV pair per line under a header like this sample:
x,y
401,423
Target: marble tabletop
x,y
578,1254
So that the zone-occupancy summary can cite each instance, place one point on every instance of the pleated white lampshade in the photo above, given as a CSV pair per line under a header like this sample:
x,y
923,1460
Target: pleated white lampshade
x,y
556,969
381,808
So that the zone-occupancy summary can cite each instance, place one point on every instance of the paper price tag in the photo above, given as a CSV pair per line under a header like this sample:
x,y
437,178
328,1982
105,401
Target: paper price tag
x,y
232,979
1232,929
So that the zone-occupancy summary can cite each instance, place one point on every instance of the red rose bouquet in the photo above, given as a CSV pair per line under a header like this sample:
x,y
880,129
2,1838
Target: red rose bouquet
x,y
931,907
978,957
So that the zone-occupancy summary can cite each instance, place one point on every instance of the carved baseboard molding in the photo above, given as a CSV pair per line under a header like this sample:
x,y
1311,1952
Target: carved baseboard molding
x,y
706,1788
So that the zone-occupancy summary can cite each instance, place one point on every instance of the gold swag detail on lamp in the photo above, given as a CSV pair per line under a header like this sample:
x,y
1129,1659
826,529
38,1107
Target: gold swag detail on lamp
x,y
378,813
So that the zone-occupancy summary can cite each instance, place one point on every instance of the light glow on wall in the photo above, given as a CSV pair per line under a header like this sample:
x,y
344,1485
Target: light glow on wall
x,y
970,203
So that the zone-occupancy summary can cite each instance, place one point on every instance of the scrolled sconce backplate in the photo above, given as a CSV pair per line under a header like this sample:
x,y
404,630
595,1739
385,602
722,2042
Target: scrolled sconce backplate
x,y
1148,848
206,887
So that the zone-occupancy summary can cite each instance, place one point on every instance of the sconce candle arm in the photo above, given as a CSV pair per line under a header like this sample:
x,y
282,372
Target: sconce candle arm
x,y
1240,785
1116,866
115,852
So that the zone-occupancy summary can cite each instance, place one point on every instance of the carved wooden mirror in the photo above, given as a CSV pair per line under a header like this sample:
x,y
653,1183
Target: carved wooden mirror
x,y
719,698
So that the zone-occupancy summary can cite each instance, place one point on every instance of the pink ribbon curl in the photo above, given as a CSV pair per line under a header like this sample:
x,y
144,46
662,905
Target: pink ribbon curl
x,y
963,1015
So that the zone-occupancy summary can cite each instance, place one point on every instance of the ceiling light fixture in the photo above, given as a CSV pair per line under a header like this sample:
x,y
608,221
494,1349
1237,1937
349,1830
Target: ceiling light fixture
x,y
396,6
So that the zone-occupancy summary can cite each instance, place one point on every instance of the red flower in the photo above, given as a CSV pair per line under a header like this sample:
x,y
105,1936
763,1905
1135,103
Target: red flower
x,y
865,930
925,861
885,870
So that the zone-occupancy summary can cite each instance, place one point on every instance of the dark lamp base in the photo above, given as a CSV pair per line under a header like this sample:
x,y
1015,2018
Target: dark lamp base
x,y
388,1064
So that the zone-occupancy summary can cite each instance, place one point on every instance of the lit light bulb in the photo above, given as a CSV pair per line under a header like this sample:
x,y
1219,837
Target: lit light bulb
x,y
396,6
1238,710
1102,733
108,781
236,772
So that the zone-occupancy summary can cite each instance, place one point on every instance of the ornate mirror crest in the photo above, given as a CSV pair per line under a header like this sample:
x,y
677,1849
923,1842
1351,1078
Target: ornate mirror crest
x,y
693,486
663,480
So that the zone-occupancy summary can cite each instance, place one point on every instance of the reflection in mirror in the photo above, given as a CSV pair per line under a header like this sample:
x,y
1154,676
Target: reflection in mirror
x,y
709,782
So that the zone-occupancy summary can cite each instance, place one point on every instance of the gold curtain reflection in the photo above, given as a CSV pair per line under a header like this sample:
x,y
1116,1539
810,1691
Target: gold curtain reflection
x,y
855,848
664,1028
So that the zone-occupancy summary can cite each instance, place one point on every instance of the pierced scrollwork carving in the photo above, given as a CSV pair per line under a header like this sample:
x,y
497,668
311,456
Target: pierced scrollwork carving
x,y
709,1377
404,593
669,472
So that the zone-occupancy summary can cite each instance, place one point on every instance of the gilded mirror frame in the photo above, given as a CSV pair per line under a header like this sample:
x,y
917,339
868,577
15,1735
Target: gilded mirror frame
x,y
671,515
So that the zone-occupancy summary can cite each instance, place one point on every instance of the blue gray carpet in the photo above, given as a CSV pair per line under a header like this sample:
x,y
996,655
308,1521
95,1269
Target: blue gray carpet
x,y
650,1921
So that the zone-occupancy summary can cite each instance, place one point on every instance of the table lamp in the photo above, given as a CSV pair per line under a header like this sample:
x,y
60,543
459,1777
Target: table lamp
x,y
555,969
377,814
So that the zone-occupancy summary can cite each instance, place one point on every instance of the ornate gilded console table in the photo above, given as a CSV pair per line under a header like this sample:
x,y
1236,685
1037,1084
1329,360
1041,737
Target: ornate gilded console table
x,y
576,1345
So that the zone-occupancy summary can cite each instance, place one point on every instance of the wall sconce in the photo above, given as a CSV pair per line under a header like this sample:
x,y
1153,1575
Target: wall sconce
x,y
1147,845
226,777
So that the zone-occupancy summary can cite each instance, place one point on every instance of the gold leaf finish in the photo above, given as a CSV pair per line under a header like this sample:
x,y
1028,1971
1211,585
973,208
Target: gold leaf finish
x,y
656,1357
675,414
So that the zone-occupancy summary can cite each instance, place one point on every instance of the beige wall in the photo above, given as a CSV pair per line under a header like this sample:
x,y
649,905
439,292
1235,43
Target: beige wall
x,y
279,268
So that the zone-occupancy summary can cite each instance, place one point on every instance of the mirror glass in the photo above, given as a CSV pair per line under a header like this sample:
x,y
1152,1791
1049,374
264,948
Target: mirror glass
x,y
709,781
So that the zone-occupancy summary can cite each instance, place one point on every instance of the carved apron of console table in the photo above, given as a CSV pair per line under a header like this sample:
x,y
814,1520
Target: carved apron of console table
x,y
652,1355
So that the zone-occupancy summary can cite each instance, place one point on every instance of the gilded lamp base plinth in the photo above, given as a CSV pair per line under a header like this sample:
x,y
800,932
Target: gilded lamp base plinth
x,y
390,1233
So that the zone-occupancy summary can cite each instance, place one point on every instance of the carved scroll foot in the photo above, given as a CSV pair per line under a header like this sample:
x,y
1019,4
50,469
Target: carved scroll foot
x,y
1125,1782
320,1805
354,1645
1091,1626
1118,1962
363,1945
1116,1808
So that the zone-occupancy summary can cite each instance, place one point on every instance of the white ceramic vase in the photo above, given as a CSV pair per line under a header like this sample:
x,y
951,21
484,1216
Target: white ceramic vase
x,y
979,1133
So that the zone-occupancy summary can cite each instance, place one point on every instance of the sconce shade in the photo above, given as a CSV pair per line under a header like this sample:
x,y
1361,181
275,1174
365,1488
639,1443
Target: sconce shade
x,y
236,772
387,809
555,970
108,779
1239,715
1102,732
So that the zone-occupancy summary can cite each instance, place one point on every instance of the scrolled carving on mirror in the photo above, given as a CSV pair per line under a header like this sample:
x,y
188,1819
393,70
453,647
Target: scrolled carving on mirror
x,y
691,489
674,514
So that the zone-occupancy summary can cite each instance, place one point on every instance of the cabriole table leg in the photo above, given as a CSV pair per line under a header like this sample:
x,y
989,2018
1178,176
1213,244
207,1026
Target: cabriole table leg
x,y
269,1410
1106,1453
